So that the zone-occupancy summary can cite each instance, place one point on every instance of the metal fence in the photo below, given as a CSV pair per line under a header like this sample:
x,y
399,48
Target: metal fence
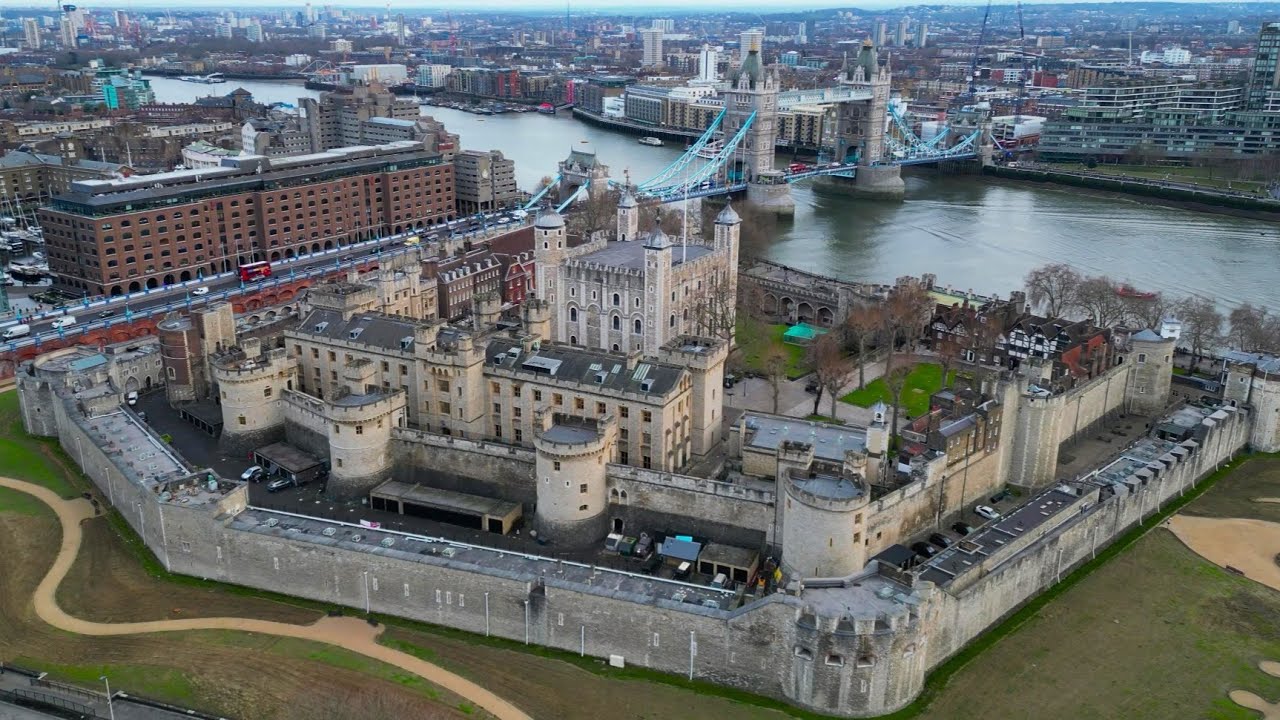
x,y
52,704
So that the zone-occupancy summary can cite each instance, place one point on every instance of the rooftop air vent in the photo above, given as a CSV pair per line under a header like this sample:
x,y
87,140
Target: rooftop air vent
x,y
272,522
329,532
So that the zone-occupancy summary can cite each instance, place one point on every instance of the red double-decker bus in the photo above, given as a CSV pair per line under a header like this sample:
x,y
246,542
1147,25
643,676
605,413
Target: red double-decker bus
x,y
252,272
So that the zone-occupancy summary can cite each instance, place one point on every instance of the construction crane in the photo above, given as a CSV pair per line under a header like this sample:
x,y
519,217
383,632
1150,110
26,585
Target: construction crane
x,y
1022,81
977,48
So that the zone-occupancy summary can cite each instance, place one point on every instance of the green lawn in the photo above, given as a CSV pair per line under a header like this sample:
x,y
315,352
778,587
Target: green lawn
x,y
29,458
1158,632
1193,175
755,339
924,380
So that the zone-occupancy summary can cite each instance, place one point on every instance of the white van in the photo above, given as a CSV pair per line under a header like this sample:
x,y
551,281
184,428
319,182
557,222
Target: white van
x,y
132,397
65,321
16,331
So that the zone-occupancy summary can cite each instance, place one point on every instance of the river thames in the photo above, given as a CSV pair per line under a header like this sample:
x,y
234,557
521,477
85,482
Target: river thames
x,y
972,232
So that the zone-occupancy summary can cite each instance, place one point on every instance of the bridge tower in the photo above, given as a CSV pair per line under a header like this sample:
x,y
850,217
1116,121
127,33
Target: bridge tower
x,y
752,89
581,167
860,126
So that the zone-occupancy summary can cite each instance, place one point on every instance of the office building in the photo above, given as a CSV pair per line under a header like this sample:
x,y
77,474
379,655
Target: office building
x,y
652,39
339,119
749,40
485,180
115,236
432,75
31,33
708,58
1265,77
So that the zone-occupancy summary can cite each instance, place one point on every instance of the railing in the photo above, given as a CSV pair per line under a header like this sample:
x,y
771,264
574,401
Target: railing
x,y
44,701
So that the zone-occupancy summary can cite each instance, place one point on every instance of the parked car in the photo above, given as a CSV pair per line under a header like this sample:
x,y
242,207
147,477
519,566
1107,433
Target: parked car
x,y
812,387
924,549
279,484
962,528
132,397
941,540
1002,495
252,473
200,291
987,512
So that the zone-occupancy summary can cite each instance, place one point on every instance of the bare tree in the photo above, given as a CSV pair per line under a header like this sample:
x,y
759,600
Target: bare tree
x,y
861,326
1145,312
774,362
830,367
598,212
1053,288
1097,297
895,381
1248,327
715,309
1201,325
910,308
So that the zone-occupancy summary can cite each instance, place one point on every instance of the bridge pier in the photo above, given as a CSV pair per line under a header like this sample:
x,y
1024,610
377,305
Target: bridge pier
x,y
771,192
873,181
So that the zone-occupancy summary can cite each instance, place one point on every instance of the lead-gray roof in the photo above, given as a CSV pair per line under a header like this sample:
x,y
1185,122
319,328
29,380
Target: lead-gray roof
x,y
830,442
384,331
586,367
630,255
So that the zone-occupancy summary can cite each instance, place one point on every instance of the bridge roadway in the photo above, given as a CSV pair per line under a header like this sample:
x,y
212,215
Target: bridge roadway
x,y
226,286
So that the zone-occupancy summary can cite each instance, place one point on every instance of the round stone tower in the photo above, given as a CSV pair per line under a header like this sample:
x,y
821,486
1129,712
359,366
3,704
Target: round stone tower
x,y
183,361
824,518
359,432
573,456
250,385
1150,374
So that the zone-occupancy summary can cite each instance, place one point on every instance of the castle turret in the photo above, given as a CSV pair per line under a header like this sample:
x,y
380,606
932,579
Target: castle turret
x,y
488,310
573,455
704,359
823,516
549,248
658,284
1151,376
628,217
250,385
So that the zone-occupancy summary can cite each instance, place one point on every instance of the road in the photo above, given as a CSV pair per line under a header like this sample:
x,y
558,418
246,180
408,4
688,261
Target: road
x,y
228,285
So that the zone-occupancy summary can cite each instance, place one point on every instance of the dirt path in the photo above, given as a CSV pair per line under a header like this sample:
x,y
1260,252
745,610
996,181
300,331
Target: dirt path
x,y
344,632
1267,500
1250,546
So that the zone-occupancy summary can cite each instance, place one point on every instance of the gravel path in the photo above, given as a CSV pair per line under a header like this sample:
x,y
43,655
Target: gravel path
x,y
345,632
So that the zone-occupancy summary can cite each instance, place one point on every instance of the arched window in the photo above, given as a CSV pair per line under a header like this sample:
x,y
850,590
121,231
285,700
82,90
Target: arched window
x,y
573,339
617,299
617,323
672,322
636,327
573,314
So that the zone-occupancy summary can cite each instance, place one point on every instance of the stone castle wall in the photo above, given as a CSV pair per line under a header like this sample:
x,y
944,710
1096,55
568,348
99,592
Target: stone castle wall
x,y
972,604
1042,425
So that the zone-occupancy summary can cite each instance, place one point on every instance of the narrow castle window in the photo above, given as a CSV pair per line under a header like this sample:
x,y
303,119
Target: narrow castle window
x,y
835,661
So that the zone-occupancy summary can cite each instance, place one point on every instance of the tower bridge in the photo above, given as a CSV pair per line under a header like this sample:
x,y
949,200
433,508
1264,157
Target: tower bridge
x,y
736,152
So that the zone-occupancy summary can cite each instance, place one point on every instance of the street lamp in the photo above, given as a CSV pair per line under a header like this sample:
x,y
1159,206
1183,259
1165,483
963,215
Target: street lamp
x,y
111,710
366,592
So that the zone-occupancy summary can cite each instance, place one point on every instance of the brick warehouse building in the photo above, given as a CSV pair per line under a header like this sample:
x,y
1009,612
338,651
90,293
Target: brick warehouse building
x,y
117,236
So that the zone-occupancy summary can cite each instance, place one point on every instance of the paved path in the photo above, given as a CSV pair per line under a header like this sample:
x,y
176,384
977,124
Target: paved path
x,y
346,632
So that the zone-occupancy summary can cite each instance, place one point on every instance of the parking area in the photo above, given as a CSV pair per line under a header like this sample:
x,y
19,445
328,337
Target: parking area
x,y
196,446
934,540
